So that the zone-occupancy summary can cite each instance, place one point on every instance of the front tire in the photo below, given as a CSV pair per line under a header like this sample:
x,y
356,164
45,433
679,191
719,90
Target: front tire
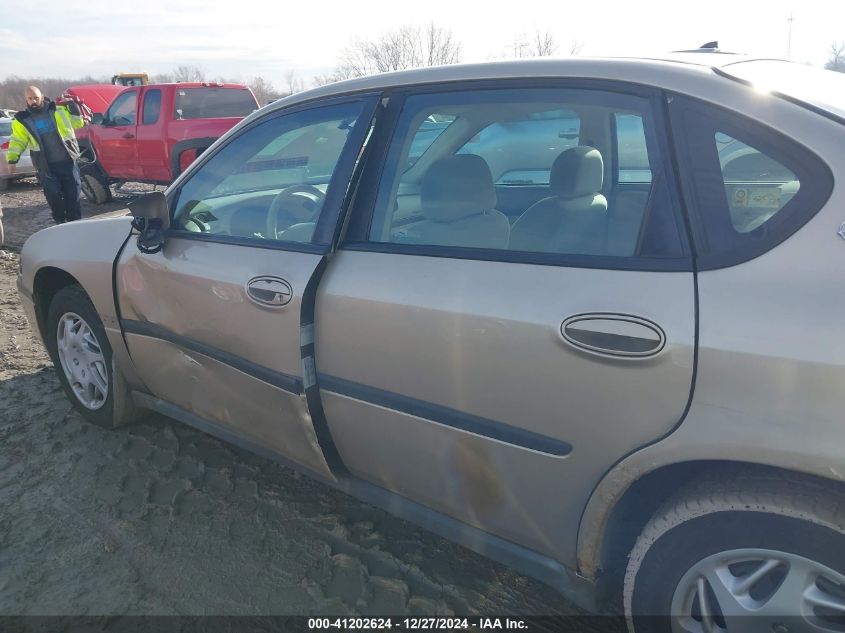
x,y
80,350
748,553
95,185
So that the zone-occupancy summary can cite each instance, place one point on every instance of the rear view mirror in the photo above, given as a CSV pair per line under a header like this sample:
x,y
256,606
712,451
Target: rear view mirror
x,y
97,118
152,219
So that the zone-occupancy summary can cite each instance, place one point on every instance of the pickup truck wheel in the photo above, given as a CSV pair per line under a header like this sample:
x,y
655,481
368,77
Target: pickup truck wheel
x,y
80,350
95,185
749,553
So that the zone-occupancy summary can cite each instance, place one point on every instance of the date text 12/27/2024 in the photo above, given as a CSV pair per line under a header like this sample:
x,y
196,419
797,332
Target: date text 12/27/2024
x,y
416,624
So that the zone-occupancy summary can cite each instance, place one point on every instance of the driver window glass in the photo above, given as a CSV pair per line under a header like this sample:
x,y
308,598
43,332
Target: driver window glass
x,y
122,111
270,182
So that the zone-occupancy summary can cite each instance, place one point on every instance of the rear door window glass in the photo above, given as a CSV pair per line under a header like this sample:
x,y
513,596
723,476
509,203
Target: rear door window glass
x,y
515,143
631,149
152,106
527,171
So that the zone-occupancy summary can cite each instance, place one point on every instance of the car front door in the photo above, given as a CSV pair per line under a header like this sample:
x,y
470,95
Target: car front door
x,y
115,142
493,369
217,320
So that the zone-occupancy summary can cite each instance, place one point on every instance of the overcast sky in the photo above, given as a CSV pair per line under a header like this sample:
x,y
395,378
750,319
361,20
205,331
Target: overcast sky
x,y
245,38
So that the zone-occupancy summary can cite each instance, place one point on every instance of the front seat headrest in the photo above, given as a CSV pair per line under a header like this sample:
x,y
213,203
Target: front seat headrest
x,y
457,187
578,171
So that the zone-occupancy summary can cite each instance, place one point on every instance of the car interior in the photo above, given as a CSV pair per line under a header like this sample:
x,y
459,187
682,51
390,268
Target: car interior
x,y
528,177
533,177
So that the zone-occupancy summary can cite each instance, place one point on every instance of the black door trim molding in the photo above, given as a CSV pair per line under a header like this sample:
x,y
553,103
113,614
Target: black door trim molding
x,y
291,384
445,416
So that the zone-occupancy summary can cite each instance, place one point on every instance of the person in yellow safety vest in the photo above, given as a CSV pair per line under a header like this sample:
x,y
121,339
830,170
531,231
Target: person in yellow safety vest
x,y
48,131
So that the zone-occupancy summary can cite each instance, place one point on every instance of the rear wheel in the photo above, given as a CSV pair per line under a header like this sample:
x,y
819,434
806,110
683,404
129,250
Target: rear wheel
x,y
80,350
753,553
95,185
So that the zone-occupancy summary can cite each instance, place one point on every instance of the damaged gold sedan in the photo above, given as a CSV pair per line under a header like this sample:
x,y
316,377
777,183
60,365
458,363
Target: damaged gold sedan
x,y
567,313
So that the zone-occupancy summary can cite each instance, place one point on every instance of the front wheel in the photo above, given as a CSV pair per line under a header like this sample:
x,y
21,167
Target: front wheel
x,y
80,350
95,185
749,553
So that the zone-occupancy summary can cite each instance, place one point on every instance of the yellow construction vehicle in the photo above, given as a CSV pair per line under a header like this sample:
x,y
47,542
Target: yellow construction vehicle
x,y
131,79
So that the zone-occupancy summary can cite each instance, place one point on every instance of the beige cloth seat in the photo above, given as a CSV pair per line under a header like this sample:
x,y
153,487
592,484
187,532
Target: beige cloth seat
x,y
625,218
573,220
458,197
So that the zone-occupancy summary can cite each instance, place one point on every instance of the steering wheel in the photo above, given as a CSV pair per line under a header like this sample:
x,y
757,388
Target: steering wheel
x,y
294,205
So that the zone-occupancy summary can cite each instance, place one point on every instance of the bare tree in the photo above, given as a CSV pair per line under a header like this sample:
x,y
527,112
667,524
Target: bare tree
x,y
188,73
264,91
439,46
836,61
293,83
12,88
539,44
400,49
338,74
543,44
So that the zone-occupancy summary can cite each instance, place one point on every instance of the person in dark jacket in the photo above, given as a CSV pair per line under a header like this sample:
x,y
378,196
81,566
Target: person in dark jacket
x,y
47,130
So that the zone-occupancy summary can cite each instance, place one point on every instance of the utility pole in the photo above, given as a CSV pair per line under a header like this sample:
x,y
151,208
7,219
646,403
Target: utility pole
x,y
791,19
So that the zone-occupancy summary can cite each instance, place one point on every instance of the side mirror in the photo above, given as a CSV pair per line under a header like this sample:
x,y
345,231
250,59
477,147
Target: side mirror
x,y
97,118
151,220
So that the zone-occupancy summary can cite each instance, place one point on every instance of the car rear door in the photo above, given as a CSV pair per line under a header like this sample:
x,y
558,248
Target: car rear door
x,y
492,383
152,154
216,322
115,140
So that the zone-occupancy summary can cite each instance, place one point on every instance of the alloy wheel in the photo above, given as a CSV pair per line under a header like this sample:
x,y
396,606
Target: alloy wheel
x,y
81,357
759,590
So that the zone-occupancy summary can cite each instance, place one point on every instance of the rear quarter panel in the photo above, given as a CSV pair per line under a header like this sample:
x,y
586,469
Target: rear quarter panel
x,y
771,350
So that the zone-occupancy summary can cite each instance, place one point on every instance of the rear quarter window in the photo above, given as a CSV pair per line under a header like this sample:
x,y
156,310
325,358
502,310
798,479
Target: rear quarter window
x,y
751,186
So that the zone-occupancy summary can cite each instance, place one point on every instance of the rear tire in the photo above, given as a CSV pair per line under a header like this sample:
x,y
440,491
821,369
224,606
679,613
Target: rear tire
x,y
95,185
770,548
80,350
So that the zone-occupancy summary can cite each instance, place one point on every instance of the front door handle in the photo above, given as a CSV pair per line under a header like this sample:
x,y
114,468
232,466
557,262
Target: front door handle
x,y
127,136
269,291
613,334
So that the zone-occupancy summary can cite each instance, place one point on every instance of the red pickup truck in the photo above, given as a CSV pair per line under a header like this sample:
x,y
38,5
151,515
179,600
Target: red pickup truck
x,y
152,133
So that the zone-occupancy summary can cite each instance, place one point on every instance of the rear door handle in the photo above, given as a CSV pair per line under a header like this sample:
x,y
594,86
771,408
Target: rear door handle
x,y
613,334
128,135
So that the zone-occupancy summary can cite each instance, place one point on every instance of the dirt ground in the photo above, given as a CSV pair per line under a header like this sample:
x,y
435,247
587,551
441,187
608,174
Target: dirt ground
x,y
159,518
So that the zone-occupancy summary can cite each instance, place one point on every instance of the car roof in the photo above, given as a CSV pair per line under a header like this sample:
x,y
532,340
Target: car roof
x,y
572,67
670,70
192,84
